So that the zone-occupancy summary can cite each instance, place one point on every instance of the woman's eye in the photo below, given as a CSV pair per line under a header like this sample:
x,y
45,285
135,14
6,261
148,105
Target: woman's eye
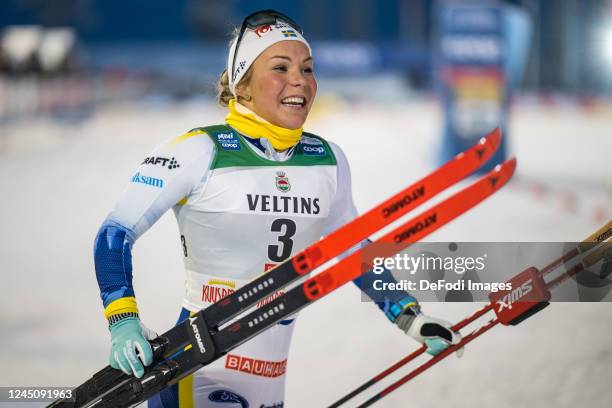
x,y
308,70
280,68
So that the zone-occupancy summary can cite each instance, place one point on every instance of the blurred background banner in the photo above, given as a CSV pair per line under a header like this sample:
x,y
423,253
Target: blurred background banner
x,y
177,48
471,43
89,87
480,46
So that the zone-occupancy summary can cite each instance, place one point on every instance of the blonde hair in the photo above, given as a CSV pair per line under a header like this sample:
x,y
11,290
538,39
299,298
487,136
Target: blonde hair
x,y
224,94
223,90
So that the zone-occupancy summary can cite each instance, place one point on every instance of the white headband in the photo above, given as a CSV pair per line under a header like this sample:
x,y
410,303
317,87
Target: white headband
x,y
253,43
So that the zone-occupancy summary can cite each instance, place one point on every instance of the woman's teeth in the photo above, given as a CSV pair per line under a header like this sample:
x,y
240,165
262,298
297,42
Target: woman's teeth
x,y
293,100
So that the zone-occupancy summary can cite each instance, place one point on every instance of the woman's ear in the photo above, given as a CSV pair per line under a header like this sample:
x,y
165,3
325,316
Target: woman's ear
x,y
243,89
242,92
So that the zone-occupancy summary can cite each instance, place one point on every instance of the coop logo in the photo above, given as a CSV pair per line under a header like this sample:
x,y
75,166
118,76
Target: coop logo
x,y
197,334
313,150
150,181
224,396
171,162
228,141
312,146
512,297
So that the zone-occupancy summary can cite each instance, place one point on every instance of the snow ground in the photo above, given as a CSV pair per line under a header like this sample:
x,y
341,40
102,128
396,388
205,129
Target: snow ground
x,y
59,182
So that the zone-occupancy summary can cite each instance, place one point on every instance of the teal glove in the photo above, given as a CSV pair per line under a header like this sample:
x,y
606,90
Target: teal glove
x,y
436,334
129,346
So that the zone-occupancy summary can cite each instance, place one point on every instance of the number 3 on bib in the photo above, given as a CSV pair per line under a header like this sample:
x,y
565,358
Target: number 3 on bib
x,y
281,251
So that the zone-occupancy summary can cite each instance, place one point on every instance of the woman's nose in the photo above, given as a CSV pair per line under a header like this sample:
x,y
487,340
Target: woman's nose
x,y
297,78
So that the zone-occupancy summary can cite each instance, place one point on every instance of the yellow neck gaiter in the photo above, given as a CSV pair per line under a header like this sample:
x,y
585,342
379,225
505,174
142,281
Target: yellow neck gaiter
x,y
248,123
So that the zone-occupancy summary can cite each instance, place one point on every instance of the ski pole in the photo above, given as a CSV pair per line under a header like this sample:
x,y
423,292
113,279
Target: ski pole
x,y
430,362
406,359
602,234
596,256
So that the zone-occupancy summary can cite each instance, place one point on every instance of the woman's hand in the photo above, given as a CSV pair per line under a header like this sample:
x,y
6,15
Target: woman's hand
x,y
129,346
436,334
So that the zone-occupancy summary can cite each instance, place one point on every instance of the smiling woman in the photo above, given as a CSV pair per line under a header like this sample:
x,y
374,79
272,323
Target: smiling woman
x,y
247,195
272,77
282,87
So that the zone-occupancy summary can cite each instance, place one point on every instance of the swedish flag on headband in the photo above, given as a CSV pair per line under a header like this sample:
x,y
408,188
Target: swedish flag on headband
x,y
289,33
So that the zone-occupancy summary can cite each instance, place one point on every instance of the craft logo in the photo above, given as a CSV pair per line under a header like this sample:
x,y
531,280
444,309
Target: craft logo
x,y
282,182
289,33
252,366
217,289
172,163
263,30
238,69
224,396
150,181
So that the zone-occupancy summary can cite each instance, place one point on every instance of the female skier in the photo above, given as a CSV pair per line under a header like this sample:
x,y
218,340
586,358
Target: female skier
x,y
247,194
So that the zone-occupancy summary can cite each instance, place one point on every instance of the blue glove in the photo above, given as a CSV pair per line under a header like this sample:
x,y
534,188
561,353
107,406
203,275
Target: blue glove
x,y
436,334
129,346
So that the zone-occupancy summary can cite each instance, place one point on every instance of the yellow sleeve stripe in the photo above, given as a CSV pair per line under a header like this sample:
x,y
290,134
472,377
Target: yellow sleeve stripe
x,y
409,305
121,305
183,137
183,201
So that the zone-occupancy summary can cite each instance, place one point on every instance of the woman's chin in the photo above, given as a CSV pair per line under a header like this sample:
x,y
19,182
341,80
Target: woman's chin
x,y
294,121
